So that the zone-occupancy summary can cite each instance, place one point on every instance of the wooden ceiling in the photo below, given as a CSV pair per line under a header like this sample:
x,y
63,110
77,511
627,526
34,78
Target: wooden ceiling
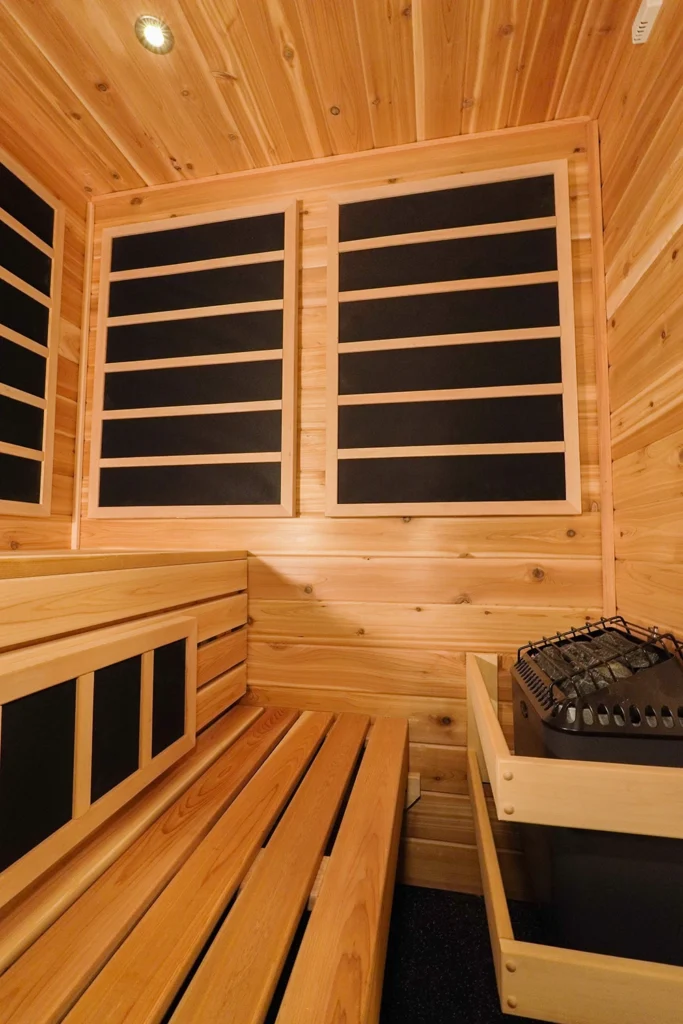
x,y
252,83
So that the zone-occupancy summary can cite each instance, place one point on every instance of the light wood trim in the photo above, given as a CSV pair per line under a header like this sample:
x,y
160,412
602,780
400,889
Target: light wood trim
x,y
482,177
190,410
195,311
567,985
487,741
451,394
436,340
178,361
33,183
246,259
290,366
486,667
193,460
350,920
606,797
22,396
191,220
43,985
35,668
25,232
497,913
609,587
513,448
332,360
236,979
83,357
25,287
146,708
85,696
445,234
570,401
21,453
174,930
18,565
439,287
27,919
447,508
20,339
191,511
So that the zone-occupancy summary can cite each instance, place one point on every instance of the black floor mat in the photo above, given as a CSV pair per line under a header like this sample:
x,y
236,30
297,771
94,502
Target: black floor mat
x,y
439,966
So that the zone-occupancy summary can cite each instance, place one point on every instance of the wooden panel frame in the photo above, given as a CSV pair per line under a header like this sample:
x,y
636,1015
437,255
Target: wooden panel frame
x,y
50,352
564,985
565,331
37,668
288,353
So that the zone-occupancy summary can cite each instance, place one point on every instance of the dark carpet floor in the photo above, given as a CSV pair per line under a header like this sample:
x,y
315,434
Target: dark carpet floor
x,y
439,966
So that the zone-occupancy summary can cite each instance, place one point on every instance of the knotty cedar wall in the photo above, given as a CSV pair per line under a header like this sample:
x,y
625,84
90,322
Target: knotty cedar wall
x,y
54,532
376,614
641,129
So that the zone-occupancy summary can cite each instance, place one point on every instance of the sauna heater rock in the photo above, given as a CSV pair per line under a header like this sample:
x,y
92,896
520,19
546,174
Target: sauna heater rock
x,y
610,691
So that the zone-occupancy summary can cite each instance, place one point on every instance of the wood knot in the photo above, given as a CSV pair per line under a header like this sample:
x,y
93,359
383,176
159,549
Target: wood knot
x,y
538,573
335,111
14,545
136,201
674,254
463,599
288,53
446,720
407,519
250,621
506,30
102,87
308,589
571,533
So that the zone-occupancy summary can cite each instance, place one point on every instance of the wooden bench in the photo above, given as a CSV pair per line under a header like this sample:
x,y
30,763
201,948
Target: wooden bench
x,y
191,904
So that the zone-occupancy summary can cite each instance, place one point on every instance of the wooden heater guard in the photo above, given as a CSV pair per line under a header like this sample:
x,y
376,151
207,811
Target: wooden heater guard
x,y
546,982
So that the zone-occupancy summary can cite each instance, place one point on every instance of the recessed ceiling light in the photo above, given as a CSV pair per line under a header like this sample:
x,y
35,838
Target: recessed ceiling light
x,y
154,34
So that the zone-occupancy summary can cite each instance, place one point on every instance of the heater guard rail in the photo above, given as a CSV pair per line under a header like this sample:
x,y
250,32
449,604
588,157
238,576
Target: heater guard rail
x,y
638,799
547,982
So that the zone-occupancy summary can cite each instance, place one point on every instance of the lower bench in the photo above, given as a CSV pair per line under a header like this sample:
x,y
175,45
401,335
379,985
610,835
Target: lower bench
x,y
191,905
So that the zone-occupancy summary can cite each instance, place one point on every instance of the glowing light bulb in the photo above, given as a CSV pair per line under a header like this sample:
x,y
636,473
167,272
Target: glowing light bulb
x,y
154,35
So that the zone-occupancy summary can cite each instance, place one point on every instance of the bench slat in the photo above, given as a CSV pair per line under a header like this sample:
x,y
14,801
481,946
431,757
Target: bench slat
x,y
141,979
237,977
45,982
338,972
29,916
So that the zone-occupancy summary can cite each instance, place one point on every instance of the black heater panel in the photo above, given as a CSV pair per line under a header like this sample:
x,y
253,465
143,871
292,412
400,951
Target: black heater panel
x,y
116,725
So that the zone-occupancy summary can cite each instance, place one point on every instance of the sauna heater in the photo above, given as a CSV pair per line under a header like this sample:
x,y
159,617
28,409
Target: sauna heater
x,y
609,691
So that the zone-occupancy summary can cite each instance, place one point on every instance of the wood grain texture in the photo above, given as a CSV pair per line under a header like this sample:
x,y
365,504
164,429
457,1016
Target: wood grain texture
x,y
340,964
237,977
641,121
174,930
214,698
45,982
23,921
357,641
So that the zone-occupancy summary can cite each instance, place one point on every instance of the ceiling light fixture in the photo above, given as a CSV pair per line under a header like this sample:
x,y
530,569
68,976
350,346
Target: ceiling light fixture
x,y
154,34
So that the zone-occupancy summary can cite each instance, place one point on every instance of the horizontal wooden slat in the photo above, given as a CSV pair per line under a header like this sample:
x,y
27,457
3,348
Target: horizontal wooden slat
x,y
439,287
441,769
190,410
530,536
25,232
216,617
54,563
651,594
215,697
221,654
490,581
447,817
451,394
38,608
217,359
27,289
21,453
433,450
19,339
194,460
189,314
455,867
22,396
443,234
376,624
29,917
44,983
433,340
188,268
144,974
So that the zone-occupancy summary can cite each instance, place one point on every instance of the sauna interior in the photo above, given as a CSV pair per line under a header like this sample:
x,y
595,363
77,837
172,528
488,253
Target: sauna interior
x,y
341,516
